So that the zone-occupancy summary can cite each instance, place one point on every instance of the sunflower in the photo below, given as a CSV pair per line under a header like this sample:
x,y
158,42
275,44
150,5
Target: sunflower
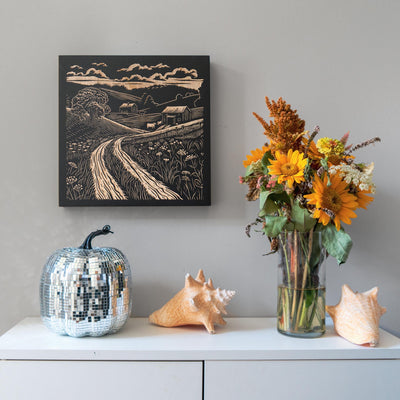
x,y
255,156
362,199
332,201
288,167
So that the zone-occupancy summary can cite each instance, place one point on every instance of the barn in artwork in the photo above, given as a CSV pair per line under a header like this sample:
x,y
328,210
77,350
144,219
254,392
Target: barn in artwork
x,y
173,115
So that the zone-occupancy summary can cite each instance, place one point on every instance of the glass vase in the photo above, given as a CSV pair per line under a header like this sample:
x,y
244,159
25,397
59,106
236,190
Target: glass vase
x,y
301,284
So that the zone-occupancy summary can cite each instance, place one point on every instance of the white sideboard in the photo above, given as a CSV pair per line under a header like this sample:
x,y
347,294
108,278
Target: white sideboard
x,y
245,360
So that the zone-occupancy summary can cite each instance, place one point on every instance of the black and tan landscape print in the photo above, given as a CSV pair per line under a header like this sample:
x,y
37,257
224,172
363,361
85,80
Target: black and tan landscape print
x,y
134,130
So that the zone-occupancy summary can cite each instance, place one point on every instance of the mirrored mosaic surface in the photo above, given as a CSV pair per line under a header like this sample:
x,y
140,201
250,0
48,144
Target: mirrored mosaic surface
x,y
85,292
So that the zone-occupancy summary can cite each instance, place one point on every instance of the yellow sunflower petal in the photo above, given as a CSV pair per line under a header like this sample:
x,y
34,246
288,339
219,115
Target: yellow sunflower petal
x,y
280,156
363,200
298,178
324,219
311,198
294,157
335,198
337,223
255,156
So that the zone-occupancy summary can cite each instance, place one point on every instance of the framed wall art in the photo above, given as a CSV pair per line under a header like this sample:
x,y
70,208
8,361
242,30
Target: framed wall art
x,y
134,130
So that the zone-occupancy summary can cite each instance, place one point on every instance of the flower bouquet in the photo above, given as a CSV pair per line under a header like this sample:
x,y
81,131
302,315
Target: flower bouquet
x,y
306,189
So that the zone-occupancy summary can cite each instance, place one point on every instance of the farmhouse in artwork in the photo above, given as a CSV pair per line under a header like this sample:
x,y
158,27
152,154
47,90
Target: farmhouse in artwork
x,y
128,108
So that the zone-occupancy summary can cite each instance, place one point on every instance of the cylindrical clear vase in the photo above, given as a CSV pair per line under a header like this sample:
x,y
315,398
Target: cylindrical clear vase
x,y
301,284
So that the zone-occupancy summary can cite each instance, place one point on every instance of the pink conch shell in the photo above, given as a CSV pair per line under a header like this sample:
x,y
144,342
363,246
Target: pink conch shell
x,y
198,303
356,317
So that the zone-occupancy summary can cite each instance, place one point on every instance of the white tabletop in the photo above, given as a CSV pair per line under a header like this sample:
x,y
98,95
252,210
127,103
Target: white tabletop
x,y
240,339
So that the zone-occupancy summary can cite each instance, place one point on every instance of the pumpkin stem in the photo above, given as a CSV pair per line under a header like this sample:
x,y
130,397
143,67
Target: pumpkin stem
x,y
87,244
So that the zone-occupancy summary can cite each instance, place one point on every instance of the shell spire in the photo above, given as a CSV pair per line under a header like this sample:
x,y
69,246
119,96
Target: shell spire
x,y
200,276
198,303
356,317
190,282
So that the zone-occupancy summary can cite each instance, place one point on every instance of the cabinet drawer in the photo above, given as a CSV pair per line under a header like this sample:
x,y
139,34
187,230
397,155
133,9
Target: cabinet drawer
x,y
45,380
327,379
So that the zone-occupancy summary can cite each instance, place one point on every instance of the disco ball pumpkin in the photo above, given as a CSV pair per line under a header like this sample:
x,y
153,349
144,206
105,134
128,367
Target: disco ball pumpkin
x,y
86,291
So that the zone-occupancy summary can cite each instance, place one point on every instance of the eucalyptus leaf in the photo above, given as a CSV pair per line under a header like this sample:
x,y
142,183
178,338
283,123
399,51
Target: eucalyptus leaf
x,y
337,243
274,225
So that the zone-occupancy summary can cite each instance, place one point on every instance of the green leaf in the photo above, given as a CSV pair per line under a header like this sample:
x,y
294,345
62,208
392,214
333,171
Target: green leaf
x,y
269,201
316,256
274,225
263,198
301,218
325,166
289,227
249,170
269,208
337,243
265,161
273,195
280,197
310,297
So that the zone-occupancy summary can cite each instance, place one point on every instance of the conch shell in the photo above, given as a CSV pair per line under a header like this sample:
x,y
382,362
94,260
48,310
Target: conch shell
x,y
356,317
198,303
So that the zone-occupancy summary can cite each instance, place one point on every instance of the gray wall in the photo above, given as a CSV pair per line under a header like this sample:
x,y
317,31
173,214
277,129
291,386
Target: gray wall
x,y
336,62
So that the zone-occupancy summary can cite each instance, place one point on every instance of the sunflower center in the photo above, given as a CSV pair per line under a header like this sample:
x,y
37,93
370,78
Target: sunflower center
x,y
331,200
289,169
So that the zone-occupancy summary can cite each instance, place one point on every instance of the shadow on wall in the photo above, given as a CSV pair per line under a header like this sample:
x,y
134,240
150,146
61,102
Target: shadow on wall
x,y
144,300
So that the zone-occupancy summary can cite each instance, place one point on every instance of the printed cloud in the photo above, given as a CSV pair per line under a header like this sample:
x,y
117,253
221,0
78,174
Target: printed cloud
x,y
133,78
181,73
90,72
157,77
140,67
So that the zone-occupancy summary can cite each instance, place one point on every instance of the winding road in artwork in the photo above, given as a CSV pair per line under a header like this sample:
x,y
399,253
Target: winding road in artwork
x,y
155,188
106,188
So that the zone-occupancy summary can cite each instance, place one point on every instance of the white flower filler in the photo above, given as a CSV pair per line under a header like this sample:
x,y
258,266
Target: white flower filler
x,y
359,175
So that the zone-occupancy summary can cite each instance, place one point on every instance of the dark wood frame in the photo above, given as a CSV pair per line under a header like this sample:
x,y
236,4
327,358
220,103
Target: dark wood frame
x,y
202,65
